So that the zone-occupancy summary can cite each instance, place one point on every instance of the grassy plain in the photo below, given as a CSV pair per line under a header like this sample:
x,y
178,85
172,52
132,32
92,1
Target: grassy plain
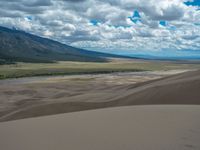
x,y
69,68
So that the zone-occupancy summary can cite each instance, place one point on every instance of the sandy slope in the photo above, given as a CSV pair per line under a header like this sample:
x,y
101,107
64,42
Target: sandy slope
x,y
62,97
178,89
145,127
129,128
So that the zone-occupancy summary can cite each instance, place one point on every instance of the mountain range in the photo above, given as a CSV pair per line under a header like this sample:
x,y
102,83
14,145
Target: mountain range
x,y
20,46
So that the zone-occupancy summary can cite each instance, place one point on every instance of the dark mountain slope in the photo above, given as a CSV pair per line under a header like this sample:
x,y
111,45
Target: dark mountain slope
x,y
17,45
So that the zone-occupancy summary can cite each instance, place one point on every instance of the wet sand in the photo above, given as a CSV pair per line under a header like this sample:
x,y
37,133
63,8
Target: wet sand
x,y
134,127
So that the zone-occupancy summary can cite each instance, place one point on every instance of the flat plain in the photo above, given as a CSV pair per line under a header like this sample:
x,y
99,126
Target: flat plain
x,y
70,68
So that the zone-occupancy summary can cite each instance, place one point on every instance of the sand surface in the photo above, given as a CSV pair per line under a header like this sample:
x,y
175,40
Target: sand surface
x,y
34,97
129,128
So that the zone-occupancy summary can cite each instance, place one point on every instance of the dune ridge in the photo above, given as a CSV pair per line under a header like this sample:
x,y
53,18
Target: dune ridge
x,y
177,89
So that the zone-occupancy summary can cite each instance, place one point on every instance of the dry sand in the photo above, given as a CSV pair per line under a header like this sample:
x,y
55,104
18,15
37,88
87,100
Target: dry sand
x,y
150,126
123,128
31,98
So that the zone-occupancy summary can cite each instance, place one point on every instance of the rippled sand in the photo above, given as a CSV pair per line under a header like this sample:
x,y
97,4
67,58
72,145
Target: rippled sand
x,y
31,97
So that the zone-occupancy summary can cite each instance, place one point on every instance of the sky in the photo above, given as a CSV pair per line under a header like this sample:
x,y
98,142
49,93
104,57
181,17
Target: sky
x,y
109,25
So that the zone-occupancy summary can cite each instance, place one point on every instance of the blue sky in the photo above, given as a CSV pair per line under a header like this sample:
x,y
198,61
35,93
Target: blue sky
x,y
120,26
193,3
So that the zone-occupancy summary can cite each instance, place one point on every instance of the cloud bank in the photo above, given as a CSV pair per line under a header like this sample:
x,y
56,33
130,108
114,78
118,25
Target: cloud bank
x,y
108,24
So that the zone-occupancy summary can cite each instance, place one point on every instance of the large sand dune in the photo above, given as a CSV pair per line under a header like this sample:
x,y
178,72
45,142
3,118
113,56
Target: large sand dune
x,y
53,96
150,126
158,127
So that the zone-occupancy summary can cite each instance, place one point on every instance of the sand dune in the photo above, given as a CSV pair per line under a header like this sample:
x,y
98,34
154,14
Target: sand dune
x,y
61,97
158,127
178,89
154,125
